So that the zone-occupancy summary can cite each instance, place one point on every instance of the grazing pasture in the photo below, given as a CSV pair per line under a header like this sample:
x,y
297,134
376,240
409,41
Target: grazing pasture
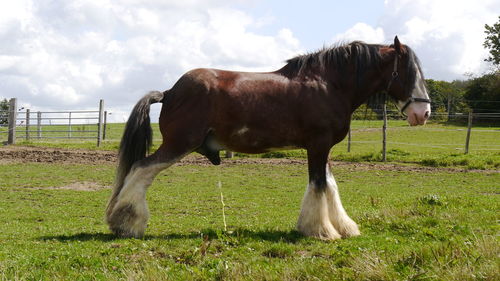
x,y
417,223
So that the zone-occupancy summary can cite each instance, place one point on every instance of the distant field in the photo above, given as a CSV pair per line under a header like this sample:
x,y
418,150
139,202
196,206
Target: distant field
x,y
416,224
432,145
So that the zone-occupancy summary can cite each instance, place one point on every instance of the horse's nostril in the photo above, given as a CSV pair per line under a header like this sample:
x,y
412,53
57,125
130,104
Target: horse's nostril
x,y
426,115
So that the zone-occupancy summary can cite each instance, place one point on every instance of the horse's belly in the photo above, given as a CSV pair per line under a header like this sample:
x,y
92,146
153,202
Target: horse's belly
x,y
287,147
248,142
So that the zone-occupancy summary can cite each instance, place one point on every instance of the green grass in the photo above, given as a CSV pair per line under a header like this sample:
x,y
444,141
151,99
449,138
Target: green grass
x,y
415,226
435,144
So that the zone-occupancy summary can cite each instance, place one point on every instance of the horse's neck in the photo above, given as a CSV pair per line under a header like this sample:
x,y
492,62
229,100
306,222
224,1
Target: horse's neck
x,y
353,96
361,97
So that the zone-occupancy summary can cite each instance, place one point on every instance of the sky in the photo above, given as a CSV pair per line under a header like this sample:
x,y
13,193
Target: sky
x,y
66,55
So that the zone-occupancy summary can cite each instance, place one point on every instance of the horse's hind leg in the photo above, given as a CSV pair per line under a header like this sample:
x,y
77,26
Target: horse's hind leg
x,y
129,214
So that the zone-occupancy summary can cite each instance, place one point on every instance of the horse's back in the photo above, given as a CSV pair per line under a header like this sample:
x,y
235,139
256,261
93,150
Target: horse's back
x,y
217,80
229,90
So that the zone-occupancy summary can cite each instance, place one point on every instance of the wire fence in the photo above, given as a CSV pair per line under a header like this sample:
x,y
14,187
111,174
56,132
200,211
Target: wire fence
x,y
457,132
36,125
457,141
444,133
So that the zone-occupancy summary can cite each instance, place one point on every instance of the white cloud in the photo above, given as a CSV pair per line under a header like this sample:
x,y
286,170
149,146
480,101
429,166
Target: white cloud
x,y
446,34
361,32
14,13
69,54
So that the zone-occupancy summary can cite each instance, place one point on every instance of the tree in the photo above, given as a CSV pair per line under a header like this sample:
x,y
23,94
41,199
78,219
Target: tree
x,y
364,113
446,96
4,109
492,42
483,93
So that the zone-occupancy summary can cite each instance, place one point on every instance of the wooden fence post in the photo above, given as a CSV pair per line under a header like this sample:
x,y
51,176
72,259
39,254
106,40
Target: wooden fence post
x,y
12,121
100,125
27,124
105,124
469,127
39,124
384,134
349,140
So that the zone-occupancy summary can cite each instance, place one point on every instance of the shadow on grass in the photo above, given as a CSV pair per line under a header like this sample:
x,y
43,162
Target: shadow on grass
x,y
291,236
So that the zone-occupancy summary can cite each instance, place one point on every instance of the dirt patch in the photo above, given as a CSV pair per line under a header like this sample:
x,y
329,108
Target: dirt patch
x,y
25,154
80,186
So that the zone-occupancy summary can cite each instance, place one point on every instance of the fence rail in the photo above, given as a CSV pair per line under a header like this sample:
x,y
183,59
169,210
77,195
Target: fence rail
x,y
28,125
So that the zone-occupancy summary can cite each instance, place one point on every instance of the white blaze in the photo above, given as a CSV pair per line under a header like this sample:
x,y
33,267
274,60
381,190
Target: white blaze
x,y
417,112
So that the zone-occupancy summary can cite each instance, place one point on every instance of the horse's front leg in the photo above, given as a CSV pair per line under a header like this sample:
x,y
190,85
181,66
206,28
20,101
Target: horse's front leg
x,y
322,214
338,216
314,219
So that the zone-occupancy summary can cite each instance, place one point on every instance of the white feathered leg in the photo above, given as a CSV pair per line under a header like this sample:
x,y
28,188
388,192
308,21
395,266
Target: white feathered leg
x,y
314,219
130,214
338,216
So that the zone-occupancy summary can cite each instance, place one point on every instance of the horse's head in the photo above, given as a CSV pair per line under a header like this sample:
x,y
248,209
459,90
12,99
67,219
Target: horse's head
x,y
407,84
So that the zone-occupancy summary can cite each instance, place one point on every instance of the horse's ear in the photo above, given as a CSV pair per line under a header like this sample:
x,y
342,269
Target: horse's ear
x,y
397,45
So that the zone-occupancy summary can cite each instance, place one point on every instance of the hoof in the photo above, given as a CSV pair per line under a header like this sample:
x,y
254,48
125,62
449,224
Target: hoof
x,y
124,221
349,231
347,227
323,231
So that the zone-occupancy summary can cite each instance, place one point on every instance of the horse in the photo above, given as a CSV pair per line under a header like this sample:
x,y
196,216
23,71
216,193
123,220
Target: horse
x,y
307,104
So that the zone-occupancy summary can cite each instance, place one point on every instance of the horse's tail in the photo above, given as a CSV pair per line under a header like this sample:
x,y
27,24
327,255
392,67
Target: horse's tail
x,y
136,141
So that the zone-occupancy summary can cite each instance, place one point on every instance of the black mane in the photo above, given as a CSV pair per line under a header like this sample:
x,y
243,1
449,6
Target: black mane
x,y
357,55
364,56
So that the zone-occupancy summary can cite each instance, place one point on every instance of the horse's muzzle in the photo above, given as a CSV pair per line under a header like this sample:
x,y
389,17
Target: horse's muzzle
x,y
418,113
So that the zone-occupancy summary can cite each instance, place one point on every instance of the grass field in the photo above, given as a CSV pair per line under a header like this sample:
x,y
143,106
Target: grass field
x,y
417,223
429,224
435,144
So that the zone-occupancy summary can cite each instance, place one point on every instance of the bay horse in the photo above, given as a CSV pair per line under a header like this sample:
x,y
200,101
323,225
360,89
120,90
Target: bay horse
x,y
306,104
